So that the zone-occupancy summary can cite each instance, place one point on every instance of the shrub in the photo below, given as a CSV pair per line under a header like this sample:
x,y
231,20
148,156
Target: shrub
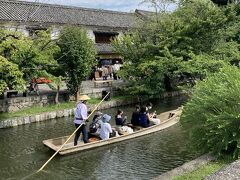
x,y
10,76
213,113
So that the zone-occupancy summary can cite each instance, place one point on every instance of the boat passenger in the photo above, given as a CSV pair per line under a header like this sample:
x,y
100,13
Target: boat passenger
x,y
135,116
106,130
94,127
121,123
152,117
143,118
80,117
149,106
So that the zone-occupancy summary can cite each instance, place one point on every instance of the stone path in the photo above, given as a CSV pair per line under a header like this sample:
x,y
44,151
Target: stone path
x,y
86,85
187,167
229,172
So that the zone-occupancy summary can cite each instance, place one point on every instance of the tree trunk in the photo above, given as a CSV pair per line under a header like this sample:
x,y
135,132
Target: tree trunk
x,y
57,95
167,83
77,95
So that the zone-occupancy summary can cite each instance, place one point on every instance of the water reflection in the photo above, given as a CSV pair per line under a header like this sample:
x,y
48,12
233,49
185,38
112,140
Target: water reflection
x,y
22,152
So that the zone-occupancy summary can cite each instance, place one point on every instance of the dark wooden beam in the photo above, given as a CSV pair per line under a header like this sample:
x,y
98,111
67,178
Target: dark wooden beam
x,y
222,2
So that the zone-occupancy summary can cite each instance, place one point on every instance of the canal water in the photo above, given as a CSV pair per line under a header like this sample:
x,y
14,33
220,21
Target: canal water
x,y
22,152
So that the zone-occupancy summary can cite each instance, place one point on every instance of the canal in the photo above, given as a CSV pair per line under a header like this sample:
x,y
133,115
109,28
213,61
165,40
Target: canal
x,y
22,152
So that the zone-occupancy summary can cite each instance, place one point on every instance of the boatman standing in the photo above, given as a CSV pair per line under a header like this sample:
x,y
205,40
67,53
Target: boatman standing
x,y
81,115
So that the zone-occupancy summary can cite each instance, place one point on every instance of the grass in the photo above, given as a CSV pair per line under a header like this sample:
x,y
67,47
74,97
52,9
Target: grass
x,y
94,100
202,171
38,110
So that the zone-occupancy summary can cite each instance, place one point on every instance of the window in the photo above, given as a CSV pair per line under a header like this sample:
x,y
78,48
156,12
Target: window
x,y
104,37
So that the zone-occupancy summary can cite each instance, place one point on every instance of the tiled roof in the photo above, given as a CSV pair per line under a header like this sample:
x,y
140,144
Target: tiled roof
x,y
20,11
144,14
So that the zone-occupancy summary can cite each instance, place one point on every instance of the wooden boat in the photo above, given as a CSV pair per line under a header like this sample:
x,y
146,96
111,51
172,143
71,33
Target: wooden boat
x,y
168,119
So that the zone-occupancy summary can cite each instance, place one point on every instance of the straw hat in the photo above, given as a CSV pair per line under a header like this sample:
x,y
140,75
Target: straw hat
x,y
84,98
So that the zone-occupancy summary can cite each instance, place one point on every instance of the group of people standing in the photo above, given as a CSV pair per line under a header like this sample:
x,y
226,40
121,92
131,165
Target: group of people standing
x,y
106,71
100,126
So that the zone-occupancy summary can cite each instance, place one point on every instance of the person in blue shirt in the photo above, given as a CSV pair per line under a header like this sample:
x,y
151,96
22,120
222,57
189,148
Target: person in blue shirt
x,y
120,121
135,116
106,130
143,117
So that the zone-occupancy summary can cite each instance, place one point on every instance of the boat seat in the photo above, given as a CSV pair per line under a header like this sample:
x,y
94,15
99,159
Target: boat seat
x,y
123,133
137,128
93,139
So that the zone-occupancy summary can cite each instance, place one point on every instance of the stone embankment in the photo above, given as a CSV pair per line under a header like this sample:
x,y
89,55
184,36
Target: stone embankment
x,y
60,113
68,112
187,167
229,172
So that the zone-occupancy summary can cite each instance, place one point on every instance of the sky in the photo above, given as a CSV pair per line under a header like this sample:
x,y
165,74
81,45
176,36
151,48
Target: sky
x,y
115,5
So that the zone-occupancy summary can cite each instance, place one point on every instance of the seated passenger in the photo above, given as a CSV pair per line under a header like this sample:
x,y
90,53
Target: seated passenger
x,y
95,125
135,116
149,106
106,130
121,123
152,117
143,118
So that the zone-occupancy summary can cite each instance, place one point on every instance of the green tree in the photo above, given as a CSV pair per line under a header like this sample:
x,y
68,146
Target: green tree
x,y
34,57
212,114
197,38
10,76
77,56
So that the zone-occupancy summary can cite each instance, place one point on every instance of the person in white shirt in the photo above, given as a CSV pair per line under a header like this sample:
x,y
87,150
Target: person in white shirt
x,y
80,117
106,128
116,67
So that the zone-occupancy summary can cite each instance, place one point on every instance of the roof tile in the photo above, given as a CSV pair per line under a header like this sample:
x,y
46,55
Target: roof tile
x,y
49,13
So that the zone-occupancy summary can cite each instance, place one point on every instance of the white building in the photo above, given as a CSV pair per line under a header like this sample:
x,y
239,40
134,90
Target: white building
x,y
101,25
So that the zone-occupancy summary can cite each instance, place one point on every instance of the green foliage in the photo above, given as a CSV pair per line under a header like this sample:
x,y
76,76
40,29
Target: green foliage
x,y
200,65
196,39
10,76
33,56
77,56
213,113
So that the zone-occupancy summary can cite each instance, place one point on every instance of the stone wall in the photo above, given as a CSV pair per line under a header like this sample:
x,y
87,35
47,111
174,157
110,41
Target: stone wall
x,y
17,103
61,113
68,112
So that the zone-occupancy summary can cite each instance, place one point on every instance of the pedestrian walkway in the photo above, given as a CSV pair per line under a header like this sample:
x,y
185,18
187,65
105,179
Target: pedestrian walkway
x,y
187,167
229,172
85,86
